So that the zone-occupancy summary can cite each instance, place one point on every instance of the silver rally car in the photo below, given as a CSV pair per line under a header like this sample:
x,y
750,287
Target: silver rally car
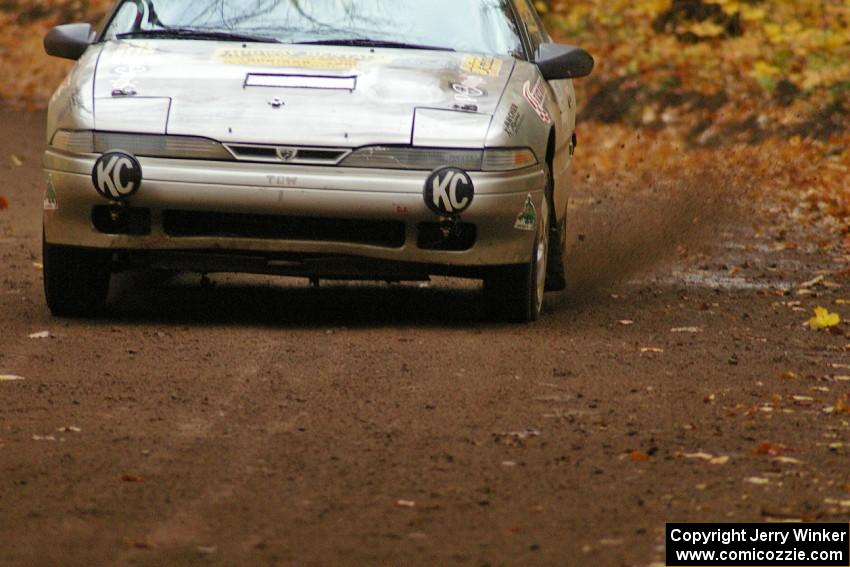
x,y
328,139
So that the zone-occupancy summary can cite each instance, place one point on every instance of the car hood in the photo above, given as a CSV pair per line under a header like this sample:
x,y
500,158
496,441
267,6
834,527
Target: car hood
x,y
294,95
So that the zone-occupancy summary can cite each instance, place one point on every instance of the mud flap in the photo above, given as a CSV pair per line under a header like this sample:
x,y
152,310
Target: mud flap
x,y
556,272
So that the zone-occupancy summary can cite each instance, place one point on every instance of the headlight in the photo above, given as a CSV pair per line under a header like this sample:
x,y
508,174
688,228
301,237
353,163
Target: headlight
x,y
74,141
428,159
145,145
142,145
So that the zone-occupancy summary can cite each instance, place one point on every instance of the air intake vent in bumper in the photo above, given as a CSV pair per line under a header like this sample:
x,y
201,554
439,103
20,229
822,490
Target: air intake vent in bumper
x,y
186,224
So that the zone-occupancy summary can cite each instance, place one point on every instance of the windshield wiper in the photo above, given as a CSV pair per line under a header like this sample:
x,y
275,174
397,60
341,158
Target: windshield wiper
x,y
365,42
194,33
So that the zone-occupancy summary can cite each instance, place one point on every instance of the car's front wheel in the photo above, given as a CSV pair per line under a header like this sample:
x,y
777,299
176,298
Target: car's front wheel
x,y
515,293
76,280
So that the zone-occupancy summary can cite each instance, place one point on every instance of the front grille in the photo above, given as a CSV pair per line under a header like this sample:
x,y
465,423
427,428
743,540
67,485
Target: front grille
x,y
286,154
186,224
254,153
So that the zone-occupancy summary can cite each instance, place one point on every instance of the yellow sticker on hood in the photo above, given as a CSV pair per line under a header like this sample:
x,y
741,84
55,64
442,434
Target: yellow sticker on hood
x,y
276,58
481,65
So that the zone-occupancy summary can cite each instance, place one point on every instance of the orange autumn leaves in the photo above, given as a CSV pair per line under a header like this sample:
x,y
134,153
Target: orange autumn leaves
x,y
757,92
718,71
766,449
640,457
715,45
769,449
27,75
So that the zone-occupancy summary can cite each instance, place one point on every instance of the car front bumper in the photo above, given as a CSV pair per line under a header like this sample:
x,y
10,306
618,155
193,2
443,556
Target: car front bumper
x,y
304,192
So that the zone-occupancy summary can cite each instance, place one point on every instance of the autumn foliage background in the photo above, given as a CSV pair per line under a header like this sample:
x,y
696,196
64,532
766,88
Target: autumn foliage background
x,y
756,89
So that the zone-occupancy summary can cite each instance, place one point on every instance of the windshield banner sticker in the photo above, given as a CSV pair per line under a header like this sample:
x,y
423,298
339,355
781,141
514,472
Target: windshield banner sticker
x,y
536,97
480,65
275,58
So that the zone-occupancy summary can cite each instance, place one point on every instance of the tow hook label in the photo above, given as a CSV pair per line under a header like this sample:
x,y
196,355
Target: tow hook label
x,y
117,176
449,191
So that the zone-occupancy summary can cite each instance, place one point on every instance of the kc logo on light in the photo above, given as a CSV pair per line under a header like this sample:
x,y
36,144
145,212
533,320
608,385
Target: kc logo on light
x,y
449,191
117,176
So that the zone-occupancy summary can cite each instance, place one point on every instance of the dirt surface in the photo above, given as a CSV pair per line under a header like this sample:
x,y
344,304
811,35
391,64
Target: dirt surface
x,y
261,422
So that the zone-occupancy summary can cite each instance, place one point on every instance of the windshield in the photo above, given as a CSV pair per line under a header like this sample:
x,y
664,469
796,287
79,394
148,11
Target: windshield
x,y
478,26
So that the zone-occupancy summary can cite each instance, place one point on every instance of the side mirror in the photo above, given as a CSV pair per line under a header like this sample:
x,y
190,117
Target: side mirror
x,y
558,62
69,41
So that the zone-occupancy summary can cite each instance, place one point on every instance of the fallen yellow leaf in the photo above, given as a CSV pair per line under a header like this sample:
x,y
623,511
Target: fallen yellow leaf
x,y
823,319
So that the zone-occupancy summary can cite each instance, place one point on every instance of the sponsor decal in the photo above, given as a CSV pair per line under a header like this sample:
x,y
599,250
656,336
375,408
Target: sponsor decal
x,y
482,65
513,121
527,219
537,96
124,79
51,203
275,58
78,100
117,176
467,93
449,191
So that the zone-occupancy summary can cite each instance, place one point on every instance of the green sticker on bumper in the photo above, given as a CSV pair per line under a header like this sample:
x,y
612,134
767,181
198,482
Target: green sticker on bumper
x,y
527,219
51,203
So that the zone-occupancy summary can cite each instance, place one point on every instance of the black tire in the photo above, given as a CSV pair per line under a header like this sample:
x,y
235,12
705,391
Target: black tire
x,y
508,294
76,280
515,293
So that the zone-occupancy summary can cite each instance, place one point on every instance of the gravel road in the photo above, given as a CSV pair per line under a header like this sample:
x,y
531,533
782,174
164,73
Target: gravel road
x,y
258,421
